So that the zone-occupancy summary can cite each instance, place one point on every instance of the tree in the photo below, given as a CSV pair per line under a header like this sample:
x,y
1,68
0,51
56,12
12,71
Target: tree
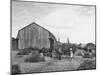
x,y
90,46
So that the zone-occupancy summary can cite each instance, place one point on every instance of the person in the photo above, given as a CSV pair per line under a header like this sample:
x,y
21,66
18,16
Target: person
x,y
71,52
50,51
59,53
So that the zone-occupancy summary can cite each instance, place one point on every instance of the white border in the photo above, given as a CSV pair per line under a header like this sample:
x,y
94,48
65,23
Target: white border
x,y
5,37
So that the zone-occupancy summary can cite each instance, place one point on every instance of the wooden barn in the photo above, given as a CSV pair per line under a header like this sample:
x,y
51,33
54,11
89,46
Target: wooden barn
x,y
35,36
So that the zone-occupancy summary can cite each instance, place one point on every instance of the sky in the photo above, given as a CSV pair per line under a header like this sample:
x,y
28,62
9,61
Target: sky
x,y
75,22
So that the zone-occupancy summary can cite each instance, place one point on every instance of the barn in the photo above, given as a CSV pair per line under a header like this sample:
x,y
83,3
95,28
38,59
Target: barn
x,y
35,36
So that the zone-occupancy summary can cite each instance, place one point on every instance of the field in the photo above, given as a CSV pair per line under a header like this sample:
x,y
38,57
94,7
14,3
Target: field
x,y
50,64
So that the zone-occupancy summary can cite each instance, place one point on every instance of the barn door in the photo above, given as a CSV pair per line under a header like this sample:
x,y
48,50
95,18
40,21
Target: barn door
x,y
51,43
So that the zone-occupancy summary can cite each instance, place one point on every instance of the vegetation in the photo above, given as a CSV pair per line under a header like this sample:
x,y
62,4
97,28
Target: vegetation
x,y
26,51
87,65
89,46
35,57
87,55
66,48
15,69
46,51
79,54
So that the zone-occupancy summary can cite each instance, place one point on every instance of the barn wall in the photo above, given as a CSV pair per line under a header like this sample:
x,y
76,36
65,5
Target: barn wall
x,y
34,36
14,44
44,38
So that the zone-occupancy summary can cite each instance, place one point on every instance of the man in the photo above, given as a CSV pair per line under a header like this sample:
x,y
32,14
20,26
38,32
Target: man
x,y
58,51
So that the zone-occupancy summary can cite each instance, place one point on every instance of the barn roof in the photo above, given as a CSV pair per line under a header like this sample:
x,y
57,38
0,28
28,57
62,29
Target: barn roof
x,y
33,23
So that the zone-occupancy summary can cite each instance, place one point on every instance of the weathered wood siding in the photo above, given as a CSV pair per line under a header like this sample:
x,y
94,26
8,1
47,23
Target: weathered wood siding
x,y
34,36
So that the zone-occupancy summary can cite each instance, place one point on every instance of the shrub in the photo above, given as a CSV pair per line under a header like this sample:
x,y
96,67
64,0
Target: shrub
x,y
79,54
48,54
94,55
86,65
26,51
35,57
87,55
15,69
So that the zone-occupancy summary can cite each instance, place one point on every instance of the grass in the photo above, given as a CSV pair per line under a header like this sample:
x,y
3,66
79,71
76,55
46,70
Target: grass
x,y
26,51
87,65
31,63
34,59
15,69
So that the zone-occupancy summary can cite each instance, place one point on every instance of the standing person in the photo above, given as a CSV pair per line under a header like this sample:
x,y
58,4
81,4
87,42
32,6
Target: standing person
x,y
59,52
71,52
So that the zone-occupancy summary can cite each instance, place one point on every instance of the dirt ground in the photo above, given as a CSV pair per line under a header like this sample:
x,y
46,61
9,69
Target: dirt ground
x,y
50,64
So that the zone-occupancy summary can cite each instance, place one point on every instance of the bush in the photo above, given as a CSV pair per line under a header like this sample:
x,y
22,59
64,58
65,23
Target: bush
x,y
35,57
15,69
26,51
87,65
94,55
47,54
87,55
79,54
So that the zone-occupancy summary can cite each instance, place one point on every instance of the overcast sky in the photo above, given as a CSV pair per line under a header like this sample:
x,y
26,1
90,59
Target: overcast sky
x,y
73,21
